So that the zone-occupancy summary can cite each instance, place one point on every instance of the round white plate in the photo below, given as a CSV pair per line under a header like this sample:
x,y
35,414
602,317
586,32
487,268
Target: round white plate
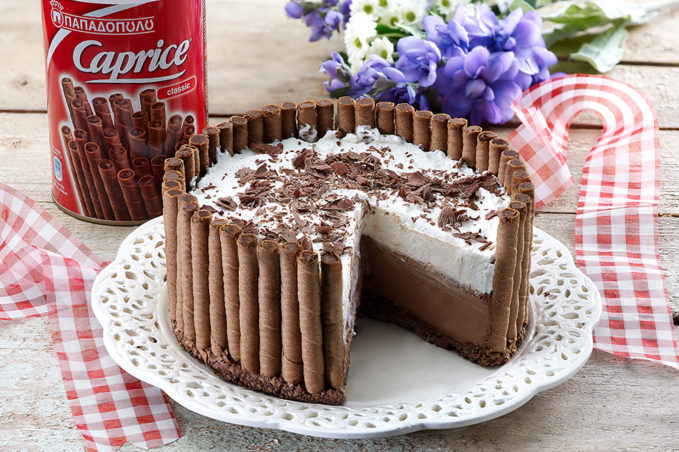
x,y
397,383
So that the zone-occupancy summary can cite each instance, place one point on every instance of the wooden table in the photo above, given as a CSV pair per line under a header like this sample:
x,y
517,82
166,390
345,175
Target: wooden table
x,y
612,402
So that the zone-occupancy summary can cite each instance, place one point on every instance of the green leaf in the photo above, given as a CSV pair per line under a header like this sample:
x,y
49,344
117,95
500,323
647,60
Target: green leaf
x,y
383,29
604,51
525,5
411,30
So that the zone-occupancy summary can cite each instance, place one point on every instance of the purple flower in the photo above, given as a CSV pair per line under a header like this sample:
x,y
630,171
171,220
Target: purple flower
x,y
418,60
450,38
294,10
333,19
323,17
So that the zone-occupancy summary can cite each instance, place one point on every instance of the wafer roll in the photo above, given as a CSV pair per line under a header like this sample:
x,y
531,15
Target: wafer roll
x,y
93,153
100,107
69,95
81,95
309,296
255,126
482,149
119,156
149,194
346,116
333,321
140,119
514,309
216,289
95,130
455,142
86,199
421,129
506,156
200,230
228,236
240,133
173,134
186,155
185,322
291,336
175,176
202,143
248,270
212,135
326,116
137,140
269,309
67,138
174,164
141,166
155,138
122,111
469,139
188,125
128,185
404,121
307,121
385,118
288,114
107,172
157,113
158,168
226,135
146,99
79,115
439,132
524,288
273,123
170,211
503,278
172,185
111,139
520,176
495,150
365,113
112,100
526,188
513,165
124,132
80,139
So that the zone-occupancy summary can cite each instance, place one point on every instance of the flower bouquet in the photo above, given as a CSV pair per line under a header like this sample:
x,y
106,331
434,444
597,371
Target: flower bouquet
x,y
467,60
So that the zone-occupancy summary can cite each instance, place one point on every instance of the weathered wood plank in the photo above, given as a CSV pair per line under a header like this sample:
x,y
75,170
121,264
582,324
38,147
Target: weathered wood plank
x,y
273,61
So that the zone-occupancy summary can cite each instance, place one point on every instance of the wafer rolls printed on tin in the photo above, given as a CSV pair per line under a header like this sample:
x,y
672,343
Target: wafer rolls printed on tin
x,y
93,154
149,194
131,194
108,174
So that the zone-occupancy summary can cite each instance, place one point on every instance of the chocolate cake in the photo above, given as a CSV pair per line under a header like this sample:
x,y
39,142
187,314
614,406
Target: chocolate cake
x,y
282,225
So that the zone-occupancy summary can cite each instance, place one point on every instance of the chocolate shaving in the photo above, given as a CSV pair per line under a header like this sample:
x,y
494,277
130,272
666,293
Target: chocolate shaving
x,y
267,148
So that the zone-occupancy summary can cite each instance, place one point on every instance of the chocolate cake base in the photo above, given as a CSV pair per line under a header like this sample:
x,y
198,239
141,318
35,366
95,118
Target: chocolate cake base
x,y
380,308
277,386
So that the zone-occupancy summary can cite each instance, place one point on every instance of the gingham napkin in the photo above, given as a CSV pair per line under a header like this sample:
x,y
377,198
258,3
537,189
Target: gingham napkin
x,y
45,269
616,223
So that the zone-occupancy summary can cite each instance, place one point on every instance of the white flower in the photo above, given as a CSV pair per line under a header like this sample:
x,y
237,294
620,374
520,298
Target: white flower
x,y
370,7
382,47
361,29
447,7
411,12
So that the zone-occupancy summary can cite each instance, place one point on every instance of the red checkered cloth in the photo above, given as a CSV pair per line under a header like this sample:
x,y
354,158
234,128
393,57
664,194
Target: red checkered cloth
x,y
616,224
46,269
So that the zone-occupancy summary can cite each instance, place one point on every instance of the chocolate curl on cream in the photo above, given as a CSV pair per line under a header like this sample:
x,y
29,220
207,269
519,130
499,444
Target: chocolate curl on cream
x,y
512,330
495,149
469,138
248,270
439,132
346,116
364,115
149,194
255,126
157,113
137,140
309,296
421,129
93,153
292,340
288,113
333,321
202,143
307,121
200,225
212,135
133,200
185,154
107,171
80,139
100,107
140,119
158,168
511,167
240,133
170,210
326,116
482,148
216,289
228,236
404,121
273,123
455,126
519,177
524,286
503,278
226,136
505,156
155,138
269,309
173,134
385,118
185,323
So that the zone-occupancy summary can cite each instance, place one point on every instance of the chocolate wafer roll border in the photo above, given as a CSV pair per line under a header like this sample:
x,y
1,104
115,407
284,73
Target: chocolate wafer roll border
x,y
217,307
248,271
346,114
403,121
228,235
364,113
334,347
187,205
291,366
422,129
439,132
512,330
385,118
200,230
455,126
273,123
309,296
269,295
170,218
483,140
307,121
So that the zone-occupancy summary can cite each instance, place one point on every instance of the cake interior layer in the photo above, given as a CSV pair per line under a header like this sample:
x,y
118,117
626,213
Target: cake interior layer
x,y
420,290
